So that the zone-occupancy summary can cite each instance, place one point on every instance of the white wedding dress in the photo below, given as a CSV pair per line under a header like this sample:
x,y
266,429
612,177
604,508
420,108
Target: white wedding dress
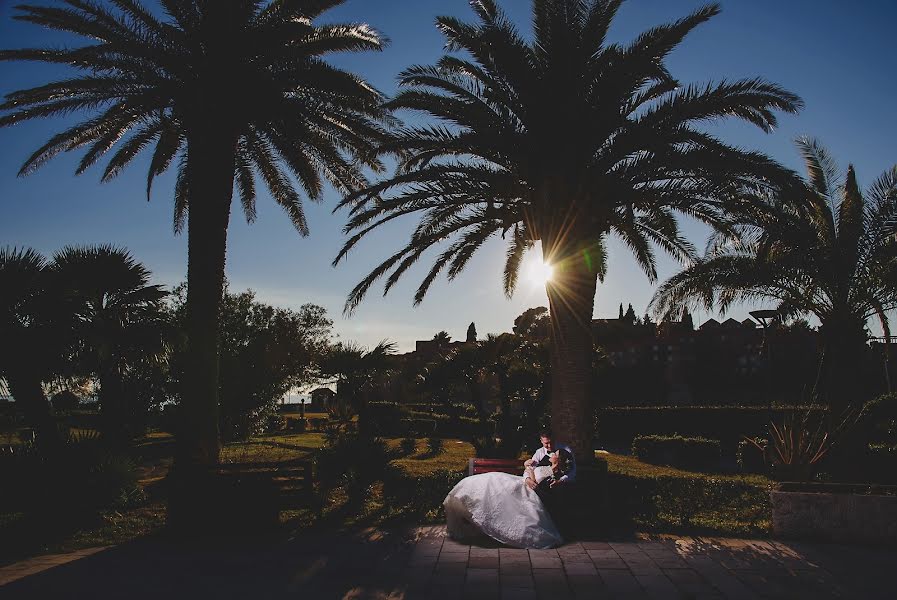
x,y
503,507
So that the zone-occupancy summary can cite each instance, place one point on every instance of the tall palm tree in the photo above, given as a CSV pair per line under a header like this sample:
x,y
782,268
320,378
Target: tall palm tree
x,y
119,321
227,91
34,341
563,140
826,248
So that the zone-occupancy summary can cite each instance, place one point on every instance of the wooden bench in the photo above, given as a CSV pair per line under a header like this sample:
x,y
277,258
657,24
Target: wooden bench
x,y
291,482
514,466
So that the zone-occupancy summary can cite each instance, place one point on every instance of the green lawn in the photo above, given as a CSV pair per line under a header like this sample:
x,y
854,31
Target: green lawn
x,y
685,501
454,457
666,499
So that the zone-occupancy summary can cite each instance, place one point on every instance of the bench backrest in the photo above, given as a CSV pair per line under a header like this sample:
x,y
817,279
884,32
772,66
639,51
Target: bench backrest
x,y
297,473
513,466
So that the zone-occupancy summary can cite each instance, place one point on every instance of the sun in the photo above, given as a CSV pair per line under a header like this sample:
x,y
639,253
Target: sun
x,y
539,273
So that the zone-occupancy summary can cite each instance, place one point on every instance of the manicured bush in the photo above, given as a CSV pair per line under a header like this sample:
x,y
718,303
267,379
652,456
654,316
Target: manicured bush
x,y
653,497
699,454
384,418
435,446
408,446
65,401
618,426
750,458
421,494
878,422
488,446
299,425
352,461
419,427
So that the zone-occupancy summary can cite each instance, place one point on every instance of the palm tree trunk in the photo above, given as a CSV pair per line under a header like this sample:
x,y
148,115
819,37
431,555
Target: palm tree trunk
x,y
210,168
111,396
29,394
844,350
571,298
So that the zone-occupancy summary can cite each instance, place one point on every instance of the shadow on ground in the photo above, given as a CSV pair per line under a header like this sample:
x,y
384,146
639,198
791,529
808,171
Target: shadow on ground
x,y
314,565
420,562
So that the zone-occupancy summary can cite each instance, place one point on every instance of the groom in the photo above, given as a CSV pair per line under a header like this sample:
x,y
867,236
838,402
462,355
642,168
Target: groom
x,y
553,494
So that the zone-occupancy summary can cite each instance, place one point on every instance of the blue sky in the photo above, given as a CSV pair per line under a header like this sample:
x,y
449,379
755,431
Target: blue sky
x,y
840,61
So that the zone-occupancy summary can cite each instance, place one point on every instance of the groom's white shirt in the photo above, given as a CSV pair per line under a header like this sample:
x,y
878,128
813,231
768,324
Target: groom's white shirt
x,y
570,477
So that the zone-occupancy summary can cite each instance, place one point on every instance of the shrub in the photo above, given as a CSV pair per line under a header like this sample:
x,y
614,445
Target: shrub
x,y
420,427
661,497
419,494
487,446
65,401
340,410
750,458
880,465
298,425
384,418
699,454
408,446
879,420
317,424
618,426
435,446
276,422
352,461
112,483
81,477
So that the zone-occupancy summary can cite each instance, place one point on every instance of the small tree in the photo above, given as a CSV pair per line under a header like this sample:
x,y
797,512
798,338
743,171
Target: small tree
x,y
442,339
265,352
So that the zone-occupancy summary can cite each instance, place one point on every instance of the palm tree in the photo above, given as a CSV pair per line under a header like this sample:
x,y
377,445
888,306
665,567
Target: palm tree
x,y
442,339
359,372
825,249
119,320
34,340
227,91
563,140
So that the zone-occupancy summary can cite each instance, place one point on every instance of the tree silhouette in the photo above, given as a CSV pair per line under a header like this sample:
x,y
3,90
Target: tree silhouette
x,y
562,139
119,320
824,248
227,92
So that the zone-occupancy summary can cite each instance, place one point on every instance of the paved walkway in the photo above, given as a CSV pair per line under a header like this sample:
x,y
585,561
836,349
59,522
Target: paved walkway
x,y
422,563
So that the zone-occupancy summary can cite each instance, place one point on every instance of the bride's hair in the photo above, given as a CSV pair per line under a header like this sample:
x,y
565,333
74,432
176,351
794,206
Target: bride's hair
x,y
563,460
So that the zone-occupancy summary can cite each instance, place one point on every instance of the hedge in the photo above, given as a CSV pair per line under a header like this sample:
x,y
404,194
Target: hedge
x,y
661,498
395,420
618,426
419,494
750,458
696,454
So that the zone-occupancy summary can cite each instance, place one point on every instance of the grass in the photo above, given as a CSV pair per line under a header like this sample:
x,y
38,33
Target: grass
x,y
454,457
274,448
633,467
688,502
19,537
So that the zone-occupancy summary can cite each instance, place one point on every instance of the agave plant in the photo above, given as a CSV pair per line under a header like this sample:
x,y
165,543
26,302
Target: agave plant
x,y
796,446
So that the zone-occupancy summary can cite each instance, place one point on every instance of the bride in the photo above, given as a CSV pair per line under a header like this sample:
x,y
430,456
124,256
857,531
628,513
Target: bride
x,y
503,507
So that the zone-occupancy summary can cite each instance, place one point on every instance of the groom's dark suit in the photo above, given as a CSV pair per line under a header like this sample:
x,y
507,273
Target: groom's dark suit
x,y
554,498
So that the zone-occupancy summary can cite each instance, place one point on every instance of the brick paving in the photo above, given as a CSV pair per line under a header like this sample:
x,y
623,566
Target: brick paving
x,y
424,563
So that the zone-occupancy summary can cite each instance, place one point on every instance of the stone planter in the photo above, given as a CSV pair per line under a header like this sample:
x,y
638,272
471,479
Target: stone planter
x,y
835,512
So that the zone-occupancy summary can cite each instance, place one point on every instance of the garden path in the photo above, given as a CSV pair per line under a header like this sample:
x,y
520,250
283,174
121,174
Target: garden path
x,y
423,563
